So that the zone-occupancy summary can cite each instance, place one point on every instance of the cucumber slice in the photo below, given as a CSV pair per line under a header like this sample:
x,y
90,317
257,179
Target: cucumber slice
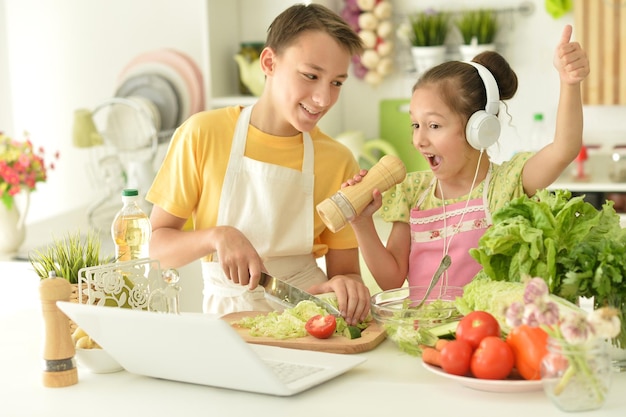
x,y
444,330
352,332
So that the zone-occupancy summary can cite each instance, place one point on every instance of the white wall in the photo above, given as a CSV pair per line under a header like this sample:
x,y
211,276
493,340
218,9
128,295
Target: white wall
x,y
68,54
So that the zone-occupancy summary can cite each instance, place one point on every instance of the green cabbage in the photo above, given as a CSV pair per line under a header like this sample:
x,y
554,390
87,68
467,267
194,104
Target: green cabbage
x,y
494,297
286,325
290,323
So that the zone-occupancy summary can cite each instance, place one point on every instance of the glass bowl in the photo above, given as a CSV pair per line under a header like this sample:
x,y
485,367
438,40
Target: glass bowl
x,y
396,310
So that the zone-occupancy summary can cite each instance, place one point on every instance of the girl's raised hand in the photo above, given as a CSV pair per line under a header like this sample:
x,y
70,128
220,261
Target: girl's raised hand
x,y
570,59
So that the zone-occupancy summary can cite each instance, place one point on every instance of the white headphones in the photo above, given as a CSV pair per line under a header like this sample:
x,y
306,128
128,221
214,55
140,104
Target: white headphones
x,y
483,127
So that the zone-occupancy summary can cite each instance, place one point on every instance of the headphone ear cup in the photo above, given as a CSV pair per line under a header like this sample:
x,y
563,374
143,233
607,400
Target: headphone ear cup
x,y
482,130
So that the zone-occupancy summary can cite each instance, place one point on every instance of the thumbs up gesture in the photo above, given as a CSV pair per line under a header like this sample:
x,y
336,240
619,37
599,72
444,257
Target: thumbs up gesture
x,y
570,59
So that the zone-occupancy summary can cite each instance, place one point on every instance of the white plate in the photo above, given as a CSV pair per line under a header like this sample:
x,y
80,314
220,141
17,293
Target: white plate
x,y
183,65
507,385
157,89
171,75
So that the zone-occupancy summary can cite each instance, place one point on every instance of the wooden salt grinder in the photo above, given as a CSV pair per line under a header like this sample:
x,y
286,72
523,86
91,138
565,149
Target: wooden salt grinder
x,y
337,210
59,367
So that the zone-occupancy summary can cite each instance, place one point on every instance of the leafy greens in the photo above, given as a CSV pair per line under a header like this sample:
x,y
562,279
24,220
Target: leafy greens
x,y
578,250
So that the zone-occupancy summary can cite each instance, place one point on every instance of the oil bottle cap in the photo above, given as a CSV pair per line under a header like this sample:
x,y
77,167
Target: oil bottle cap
x,y
130,192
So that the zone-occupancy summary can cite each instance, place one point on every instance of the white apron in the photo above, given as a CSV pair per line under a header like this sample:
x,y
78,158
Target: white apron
x,y
273,206
427,238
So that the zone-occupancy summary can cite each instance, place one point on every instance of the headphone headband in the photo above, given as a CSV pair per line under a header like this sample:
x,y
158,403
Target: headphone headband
x,y
491,88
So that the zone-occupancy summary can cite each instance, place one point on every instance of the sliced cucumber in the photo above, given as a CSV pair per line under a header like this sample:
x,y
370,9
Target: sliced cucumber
x,y
444,330
352,332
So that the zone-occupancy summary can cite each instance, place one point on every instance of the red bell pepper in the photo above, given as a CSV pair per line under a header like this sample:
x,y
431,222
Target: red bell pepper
x,y
529,346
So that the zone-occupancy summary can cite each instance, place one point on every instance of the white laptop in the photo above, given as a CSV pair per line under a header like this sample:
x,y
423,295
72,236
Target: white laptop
x,y
202,349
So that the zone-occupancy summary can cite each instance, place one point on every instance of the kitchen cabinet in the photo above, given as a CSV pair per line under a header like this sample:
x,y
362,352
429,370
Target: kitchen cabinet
x,y
601,31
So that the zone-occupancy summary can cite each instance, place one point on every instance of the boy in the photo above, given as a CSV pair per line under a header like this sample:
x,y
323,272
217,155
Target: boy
x,y
251,177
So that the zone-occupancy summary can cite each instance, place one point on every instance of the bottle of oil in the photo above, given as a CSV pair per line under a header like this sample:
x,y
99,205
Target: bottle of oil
x,y
131,229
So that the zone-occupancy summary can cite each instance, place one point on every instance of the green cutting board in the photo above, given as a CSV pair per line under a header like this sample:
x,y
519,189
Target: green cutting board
x,y
395,128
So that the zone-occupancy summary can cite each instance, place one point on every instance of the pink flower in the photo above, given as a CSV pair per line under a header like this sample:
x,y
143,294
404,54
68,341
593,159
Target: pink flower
x,y
535,289
575,328
21,167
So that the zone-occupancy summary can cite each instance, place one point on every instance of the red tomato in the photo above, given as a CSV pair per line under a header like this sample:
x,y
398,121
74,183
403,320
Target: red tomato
x,y
529,345
476,326
321,327
493,359
456,356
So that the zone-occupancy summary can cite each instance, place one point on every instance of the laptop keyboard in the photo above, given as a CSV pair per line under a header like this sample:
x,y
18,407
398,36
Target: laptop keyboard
x,y
289,372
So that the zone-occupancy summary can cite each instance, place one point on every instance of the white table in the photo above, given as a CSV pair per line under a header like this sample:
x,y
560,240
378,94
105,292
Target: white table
x,y
389,382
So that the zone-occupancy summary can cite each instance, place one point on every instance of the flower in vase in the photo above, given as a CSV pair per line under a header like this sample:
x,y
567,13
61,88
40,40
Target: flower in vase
x,y
21,167
573,330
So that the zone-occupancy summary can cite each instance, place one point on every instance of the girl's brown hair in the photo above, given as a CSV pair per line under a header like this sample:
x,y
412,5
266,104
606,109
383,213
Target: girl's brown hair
x,y
461,87
287,26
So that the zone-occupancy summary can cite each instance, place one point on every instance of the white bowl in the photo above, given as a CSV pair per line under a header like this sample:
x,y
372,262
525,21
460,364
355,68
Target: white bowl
x,y
97,361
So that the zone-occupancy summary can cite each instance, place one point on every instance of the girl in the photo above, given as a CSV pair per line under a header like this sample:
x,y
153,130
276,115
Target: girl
x,y
443,212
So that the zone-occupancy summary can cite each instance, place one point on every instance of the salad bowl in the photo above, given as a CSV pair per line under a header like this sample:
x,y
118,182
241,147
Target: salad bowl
x,y
405,323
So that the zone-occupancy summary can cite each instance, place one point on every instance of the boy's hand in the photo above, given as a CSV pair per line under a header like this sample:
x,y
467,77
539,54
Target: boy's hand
x,y
570,59
354,180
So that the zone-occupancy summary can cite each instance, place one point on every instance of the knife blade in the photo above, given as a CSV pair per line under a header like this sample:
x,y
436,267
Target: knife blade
x,y
288,296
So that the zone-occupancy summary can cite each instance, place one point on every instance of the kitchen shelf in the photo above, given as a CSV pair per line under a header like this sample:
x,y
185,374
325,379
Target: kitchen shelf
x,y
590,186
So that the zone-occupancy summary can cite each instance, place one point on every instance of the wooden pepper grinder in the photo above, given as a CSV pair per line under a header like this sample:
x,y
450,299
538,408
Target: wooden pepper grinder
x,y
348,202
59,366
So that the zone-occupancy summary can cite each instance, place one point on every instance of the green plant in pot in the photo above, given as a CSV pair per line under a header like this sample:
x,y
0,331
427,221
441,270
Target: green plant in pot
x,y
68,255
429,30
478,29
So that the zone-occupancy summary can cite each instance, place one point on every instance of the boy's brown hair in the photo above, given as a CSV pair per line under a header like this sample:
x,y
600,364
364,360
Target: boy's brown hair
x,y
287,26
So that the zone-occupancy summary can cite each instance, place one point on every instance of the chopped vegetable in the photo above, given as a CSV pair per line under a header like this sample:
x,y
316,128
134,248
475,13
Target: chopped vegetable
x,y
352,332
290,324
320,326
409,331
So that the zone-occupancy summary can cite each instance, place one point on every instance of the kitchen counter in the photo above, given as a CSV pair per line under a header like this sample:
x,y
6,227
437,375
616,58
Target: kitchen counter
x,y
389,381
598,169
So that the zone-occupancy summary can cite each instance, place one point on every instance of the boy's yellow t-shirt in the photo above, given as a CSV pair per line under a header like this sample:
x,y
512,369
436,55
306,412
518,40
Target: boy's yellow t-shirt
x,y
189,182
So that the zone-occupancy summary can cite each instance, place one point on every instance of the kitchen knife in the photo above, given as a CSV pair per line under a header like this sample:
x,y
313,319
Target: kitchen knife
x,y
288,296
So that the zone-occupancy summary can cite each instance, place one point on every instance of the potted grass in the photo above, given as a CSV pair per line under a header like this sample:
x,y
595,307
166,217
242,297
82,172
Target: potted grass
x,y
429,30
478,29
66,256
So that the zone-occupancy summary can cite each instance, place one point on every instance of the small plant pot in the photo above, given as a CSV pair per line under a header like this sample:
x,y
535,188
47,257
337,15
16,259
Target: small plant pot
x,y
426,57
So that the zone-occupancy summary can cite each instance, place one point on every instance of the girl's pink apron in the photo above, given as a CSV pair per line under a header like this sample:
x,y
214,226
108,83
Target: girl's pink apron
x,y
428,238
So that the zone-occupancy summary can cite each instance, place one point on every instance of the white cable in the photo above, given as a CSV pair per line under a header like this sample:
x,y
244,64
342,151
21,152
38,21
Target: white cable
x,y
446,242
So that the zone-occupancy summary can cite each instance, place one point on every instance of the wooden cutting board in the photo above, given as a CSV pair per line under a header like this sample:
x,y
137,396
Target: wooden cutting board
x,y
371,337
